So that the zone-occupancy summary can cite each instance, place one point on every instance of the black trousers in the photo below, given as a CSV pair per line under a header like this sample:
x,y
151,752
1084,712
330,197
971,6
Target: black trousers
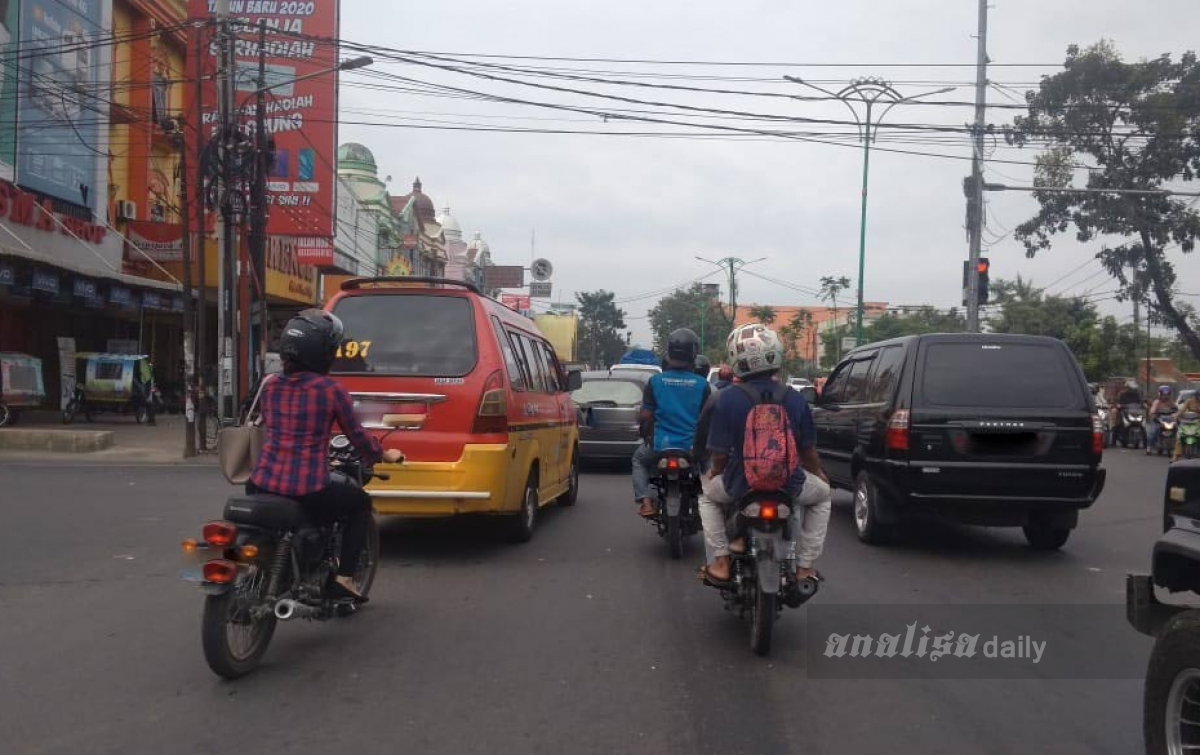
x,y
338,500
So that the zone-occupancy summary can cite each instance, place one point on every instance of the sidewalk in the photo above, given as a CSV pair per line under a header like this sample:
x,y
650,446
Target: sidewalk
x,y
118,439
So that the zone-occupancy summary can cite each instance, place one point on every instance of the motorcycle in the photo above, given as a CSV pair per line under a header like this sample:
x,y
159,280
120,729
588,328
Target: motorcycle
x,y
1167,423
677,507
763,577
1130,432
1189,435
268,561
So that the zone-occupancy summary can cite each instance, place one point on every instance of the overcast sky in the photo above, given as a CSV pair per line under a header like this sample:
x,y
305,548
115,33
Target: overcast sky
x,y
630,214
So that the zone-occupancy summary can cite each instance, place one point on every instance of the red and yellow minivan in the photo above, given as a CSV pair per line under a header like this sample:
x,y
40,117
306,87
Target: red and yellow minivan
x,y
478,398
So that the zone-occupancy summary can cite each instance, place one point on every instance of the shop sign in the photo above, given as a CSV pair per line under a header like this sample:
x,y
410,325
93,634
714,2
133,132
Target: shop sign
x,y
176,303
314,251
518,302
46,281
152,300
8,275
22,208
120,296
287,277
86,288
161,242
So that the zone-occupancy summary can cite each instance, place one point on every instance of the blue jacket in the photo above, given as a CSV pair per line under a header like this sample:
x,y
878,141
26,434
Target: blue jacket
x,y
674,399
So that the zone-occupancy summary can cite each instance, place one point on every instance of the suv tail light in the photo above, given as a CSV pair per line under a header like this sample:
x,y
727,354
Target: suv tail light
x,y
897,431
1097,436
492,416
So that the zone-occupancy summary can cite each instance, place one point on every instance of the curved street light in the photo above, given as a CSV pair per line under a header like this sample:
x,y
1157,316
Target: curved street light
x,y
870,91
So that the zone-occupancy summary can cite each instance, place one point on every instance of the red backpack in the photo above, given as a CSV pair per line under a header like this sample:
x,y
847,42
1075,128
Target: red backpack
x,y
769,453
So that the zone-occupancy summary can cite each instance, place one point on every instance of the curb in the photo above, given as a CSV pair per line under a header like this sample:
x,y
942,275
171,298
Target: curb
x,y
116,456
55,441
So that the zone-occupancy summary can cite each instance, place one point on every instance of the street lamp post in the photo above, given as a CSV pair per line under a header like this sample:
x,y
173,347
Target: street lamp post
x,y
871,92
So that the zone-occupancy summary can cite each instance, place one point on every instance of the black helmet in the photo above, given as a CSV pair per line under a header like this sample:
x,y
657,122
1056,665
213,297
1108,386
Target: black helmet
x,y
703,366
310,340
682,346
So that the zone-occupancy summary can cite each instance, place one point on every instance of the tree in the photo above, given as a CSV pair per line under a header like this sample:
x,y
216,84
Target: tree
x,y
764,313
600,324
694,309
914,322
792,336
1132,126
831,286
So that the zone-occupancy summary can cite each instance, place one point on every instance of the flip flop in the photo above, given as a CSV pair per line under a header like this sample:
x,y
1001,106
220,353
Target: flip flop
x,y
338,591
707,578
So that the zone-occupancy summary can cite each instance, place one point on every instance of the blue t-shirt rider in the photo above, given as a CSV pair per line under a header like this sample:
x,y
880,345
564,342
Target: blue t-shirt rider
x,y
671,404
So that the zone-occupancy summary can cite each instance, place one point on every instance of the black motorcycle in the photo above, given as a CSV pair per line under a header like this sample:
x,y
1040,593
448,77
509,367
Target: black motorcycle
x,y
1167,425
677,509
269,561
763,577
1130,432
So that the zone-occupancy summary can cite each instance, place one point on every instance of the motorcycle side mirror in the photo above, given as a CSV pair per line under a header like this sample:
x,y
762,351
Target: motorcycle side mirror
x,y
574,380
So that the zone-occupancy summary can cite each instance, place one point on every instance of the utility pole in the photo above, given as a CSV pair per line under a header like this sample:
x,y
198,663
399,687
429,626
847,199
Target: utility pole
x,y
975,186
227,249
258,217
201,249
189,336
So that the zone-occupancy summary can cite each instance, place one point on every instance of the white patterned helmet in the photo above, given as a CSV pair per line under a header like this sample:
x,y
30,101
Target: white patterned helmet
x,y
754,349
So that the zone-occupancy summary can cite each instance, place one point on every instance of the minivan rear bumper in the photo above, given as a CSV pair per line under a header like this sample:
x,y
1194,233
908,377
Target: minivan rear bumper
x,y
967,497
475,484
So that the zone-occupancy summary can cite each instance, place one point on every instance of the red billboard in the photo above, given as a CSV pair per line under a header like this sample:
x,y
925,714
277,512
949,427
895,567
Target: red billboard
x,y
519,302
301,115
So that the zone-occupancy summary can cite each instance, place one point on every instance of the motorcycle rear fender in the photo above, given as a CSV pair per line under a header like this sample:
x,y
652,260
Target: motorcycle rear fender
x,y
766,561
674,498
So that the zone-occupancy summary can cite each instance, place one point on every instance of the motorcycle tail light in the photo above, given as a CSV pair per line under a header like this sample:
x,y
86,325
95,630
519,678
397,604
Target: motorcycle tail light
x,y
673,463
220,571
768,511
220,533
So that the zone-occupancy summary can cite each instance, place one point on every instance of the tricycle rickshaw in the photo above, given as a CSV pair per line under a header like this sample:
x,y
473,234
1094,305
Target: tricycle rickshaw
x,y
20,384
112,382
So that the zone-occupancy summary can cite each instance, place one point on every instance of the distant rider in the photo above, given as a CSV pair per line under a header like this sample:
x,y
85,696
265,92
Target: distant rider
x,y
671,405
1191,405
1162,402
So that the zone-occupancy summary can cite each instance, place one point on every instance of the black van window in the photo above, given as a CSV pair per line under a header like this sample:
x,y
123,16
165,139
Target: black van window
x,y
407,334
515,377
979,373
835,387
886,375
856,381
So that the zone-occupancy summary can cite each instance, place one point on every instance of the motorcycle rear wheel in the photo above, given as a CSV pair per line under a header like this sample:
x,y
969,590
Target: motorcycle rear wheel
x,y
226,619
762,622
675,537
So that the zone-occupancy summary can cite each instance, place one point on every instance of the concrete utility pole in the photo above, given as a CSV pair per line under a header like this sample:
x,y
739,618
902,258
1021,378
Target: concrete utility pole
x,y
975,186
227,367
258,218
201,249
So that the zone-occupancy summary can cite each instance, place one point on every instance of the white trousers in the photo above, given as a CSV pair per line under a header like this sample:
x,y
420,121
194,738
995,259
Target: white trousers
x,y
810,517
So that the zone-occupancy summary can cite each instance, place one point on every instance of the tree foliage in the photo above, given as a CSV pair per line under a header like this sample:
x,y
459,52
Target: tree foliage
x,y
1132,126
600,324
915,322
692,308
764,313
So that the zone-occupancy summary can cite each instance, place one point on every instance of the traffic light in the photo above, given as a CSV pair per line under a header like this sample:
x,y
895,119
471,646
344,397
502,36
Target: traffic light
x,y
983,280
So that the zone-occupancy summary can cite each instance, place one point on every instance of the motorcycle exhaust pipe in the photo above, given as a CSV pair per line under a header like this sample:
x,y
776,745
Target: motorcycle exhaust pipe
x,y
288,609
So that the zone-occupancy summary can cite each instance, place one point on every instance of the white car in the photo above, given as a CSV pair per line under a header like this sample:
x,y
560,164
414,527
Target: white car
x,y
800,382
634,368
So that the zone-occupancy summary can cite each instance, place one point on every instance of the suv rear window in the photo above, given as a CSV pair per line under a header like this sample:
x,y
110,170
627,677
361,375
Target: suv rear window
x,y
407,334
983,374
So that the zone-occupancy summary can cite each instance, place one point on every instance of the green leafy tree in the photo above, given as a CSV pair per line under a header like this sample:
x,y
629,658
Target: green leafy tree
x,y
1132,126
600,324
911,323
831,287
793,335
764,313
694,309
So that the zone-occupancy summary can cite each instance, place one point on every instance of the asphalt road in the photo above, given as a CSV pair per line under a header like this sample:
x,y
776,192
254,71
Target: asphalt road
x,y
586,640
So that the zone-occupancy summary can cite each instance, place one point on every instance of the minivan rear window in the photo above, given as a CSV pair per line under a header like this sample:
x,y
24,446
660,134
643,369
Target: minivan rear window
x,y
407,334
997,374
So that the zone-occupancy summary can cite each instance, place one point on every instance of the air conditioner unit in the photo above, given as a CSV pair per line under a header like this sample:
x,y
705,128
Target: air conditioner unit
x,y
126,209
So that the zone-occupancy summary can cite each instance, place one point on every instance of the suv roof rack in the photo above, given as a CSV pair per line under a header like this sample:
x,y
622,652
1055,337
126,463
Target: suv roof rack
x,y
355,284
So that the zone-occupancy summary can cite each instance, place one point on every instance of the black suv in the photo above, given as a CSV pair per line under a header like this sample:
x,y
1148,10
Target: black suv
x,y
988,429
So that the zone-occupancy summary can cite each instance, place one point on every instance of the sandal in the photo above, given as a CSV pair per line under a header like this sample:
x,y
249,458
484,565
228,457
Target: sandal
x,y
338,591
707,578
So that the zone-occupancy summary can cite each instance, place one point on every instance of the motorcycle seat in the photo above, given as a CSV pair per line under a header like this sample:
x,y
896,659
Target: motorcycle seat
x,y
267,511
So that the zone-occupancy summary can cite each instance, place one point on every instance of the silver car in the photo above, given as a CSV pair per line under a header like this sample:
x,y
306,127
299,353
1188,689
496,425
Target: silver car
x,y
608,404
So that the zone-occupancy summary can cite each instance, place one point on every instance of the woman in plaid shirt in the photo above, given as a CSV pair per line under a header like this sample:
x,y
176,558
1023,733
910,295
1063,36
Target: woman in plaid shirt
x,y
299,409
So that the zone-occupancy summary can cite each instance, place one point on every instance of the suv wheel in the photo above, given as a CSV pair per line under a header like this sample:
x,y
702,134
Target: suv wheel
x,y
866,512
1172,687
1044,536
522,524
568,498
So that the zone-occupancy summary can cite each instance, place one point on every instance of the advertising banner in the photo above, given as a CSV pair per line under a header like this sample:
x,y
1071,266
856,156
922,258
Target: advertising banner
x,y
300,115
59,112
161,242
519,302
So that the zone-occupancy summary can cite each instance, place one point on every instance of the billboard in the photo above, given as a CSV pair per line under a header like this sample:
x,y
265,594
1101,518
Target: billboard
x,y
519,302
503,276
300,115
60,117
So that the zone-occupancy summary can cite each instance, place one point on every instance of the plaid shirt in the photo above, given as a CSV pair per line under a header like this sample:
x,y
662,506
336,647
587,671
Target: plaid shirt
x,y
298,413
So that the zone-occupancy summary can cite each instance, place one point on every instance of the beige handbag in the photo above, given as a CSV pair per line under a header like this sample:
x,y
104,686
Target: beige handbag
x,y
238,447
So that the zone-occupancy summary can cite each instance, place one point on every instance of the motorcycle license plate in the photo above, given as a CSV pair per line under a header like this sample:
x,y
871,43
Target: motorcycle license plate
x,y
191,575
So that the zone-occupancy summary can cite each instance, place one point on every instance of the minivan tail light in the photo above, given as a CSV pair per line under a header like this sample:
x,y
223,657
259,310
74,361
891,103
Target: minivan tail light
x,y
492,416
1097,436
897,431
